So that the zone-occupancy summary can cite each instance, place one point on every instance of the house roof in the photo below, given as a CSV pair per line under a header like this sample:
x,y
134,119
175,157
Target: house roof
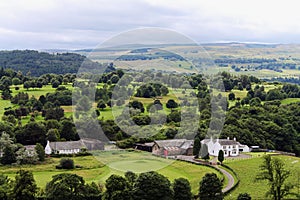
x,y
175,143
29,147
69,145
223,142
187,144
170,143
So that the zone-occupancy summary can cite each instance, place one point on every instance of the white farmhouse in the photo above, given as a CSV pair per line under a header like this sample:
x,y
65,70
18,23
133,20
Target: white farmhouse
x,y
229,147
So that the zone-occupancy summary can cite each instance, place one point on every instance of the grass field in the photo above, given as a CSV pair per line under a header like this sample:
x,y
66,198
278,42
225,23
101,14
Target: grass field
x,y
290,100
247,170
94,170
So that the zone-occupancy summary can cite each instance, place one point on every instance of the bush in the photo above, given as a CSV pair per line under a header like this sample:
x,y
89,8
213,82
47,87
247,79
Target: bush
x,y
66,163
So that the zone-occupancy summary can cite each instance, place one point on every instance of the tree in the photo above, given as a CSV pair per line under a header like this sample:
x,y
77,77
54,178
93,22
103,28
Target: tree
x,y
68,130
273,170
152,186
182,189
24,157
25,187
196,147
137,105
66,186
54,113
231,96
40,152
210,187
101,104
66,163
171,104
255,102
53,135
27,85
5,187
131,178
55,84
16,81
221,156
83,104
117,188
32,133
204,152
244,196
9,156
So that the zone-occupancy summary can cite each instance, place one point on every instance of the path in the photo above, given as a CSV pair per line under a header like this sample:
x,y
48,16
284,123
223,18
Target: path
x,y
230,178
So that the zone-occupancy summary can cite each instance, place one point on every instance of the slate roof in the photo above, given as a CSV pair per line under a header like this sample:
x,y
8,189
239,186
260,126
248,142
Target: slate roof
x,y
223,142
90,144
69,145
175,143
170,143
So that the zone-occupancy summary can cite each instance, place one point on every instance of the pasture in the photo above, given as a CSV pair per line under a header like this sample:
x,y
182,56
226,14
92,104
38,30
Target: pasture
x,y
247,169
95,170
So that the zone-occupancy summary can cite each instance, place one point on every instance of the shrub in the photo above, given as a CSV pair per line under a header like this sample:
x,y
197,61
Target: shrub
x,y
66,163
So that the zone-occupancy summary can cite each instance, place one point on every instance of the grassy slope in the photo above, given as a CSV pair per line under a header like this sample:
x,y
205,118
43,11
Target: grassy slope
x,y
247,170
93,170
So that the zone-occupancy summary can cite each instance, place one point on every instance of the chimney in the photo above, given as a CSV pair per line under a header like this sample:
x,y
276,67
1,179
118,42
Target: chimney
x,y
234,139
227,138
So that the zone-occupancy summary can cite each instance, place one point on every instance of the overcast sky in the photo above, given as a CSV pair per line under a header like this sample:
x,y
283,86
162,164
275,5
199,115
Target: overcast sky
x,y
75,24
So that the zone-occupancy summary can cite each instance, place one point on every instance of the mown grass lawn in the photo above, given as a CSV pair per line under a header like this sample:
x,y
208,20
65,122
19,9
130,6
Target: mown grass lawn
x,y
247,170
94,170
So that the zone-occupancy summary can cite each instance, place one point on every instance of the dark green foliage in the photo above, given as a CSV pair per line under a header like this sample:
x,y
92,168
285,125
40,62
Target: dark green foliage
x,y
71,186
151,90
174,116
53,113
141,120
244,196
25,187
210,187
221,156
231,96
268,126
182,189
38,63
117,188
32,133
5,187
171,104
101,104
204,152
40,152
131,177
66,163
196,147
152,186
137,105
68,130
9,155
273,170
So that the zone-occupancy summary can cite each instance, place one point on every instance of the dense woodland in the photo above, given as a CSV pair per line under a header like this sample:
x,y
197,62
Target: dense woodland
x,y
36,63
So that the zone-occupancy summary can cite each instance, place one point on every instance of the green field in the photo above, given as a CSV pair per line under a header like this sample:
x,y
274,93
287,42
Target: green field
x,y
290,100
247,170
94,170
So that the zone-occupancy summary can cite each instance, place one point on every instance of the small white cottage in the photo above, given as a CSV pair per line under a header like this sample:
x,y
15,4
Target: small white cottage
x,y
73,147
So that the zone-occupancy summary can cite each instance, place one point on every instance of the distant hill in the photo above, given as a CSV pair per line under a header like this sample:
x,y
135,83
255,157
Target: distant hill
x,y
38,63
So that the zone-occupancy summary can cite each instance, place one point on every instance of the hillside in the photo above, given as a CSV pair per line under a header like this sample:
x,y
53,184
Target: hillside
x,y
39,63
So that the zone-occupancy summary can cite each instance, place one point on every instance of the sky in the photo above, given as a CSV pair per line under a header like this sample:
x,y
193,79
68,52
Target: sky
x,y
77,24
